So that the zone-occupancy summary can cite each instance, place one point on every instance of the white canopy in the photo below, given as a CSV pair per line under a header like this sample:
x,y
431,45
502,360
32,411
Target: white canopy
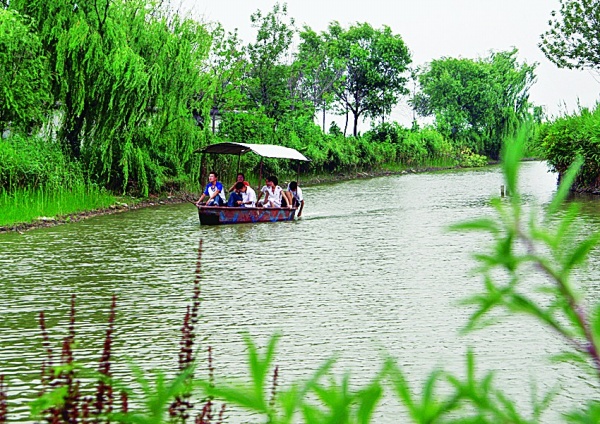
x,y
265,150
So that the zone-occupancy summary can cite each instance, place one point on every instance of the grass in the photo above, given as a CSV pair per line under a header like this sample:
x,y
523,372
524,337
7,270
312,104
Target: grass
x,y
22,206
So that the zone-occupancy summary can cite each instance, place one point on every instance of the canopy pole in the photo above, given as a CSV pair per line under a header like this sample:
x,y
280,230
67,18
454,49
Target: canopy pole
x,y
201,170
238,167
260,174
298,173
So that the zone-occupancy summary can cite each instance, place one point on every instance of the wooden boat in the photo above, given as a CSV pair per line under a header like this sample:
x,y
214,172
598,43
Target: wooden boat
x,y
219,215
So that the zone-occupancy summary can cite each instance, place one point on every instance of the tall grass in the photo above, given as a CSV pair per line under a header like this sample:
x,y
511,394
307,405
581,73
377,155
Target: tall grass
x,y
26,205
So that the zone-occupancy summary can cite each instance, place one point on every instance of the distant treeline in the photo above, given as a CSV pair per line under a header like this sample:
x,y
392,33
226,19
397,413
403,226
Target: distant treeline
x,y
122,94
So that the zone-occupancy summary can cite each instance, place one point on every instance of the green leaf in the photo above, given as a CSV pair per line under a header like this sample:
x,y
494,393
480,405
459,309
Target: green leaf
x,y
483,224
581,252
565,185
54,398
401,387
368,399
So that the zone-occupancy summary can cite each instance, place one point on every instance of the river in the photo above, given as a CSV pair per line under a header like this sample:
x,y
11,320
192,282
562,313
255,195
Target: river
x,y
370,269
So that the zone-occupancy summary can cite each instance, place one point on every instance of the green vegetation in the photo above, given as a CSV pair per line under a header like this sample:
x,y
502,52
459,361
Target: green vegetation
x,y
37,180
128,91
547,240
570,137
477,103
572,40
29,205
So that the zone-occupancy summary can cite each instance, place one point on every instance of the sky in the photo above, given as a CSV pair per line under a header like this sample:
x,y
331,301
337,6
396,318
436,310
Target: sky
x,y
433,29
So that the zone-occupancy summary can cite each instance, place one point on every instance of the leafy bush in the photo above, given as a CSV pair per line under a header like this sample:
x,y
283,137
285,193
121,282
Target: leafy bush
x,y
412,149
387,132
435,143
255,127
468,159
571,136
28,162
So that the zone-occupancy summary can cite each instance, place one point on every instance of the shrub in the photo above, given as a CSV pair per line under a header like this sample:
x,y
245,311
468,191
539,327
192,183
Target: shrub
x,y
28,162
571,136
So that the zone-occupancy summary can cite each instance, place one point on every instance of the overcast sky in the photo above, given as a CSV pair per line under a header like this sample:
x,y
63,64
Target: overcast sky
x,y
433,29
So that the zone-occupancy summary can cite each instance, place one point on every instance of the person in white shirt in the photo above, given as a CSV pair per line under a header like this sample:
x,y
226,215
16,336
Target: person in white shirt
x,y
294,197
261,193
273,194
248,196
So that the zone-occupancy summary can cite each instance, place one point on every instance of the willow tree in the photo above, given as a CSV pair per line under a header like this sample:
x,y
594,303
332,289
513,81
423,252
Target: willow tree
x,y
24,87
126,74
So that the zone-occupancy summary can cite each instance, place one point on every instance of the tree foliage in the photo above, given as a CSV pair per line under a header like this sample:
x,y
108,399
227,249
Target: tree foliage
x,y
319,71
126,75
573,40
226,67
268,80
374,61
24,82
481,101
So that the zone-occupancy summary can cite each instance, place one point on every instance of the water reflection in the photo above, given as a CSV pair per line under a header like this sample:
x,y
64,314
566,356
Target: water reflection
x,y
369,268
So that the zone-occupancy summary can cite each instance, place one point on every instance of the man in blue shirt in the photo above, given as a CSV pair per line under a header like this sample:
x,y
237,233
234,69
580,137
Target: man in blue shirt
x,y
214,192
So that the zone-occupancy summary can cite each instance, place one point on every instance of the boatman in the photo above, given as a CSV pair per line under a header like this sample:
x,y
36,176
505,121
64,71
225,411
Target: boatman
x,y
214,192
294,197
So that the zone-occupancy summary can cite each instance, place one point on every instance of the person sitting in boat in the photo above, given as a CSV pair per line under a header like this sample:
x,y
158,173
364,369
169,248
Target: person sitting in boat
x,y
248,195
214,191
262,192
240,179
294,197
236,198
273,194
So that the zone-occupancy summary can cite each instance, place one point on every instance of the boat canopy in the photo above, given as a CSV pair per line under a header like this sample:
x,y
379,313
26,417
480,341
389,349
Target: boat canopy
x,y
265,150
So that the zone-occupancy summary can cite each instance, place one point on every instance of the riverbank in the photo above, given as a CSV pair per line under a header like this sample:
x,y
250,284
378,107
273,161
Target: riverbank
x,y
127,204
124,205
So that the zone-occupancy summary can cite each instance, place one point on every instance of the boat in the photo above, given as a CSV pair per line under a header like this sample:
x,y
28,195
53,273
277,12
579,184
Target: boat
x,y
220,215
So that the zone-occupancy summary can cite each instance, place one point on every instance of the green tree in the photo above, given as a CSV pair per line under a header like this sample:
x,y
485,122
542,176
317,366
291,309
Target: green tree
x,y
319,71
225,70
477,102
126,76
24,85
268,76
573,40
375,61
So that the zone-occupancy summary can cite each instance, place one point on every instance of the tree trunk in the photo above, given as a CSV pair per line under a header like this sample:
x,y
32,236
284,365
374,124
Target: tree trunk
x,y
346,125
323,116
355,132
72,128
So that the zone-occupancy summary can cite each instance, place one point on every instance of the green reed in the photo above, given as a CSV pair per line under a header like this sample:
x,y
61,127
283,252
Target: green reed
x,y
26,205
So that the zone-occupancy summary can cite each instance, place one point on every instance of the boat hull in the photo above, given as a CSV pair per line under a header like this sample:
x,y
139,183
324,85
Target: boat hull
x,y
219,215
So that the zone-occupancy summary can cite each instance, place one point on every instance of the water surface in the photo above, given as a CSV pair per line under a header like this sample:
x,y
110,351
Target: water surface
x,y
369,270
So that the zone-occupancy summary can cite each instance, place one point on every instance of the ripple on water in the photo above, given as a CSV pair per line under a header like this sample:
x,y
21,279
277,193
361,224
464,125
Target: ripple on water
x,y
370,269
